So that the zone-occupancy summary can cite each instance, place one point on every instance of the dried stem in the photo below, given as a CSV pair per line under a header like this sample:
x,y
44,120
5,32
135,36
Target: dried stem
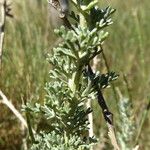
x,y
108,116
13,109
2,26
88,104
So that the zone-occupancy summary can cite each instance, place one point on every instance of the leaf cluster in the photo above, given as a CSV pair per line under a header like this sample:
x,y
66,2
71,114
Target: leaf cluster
x,y
50,142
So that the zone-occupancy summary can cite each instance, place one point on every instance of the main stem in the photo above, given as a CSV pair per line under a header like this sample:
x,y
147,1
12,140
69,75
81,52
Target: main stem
x,y
83,23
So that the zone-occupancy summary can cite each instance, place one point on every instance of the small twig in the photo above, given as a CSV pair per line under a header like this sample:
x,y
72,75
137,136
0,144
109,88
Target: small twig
x,y
62,15
108,116
108,70
12,108
67,23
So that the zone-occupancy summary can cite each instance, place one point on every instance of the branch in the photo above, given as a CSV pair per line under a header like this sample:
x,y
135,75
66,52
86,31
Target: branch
x,y
56,5
108,116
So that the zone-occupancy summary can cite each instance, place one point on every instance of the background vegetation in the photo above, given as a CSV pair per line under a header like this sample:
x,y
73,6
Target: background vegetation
x,y
29,37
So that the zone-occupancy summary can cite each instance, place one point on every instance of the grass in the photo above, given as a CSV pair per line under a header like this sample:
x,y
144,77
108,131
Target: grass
x,y
25,69
28,37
